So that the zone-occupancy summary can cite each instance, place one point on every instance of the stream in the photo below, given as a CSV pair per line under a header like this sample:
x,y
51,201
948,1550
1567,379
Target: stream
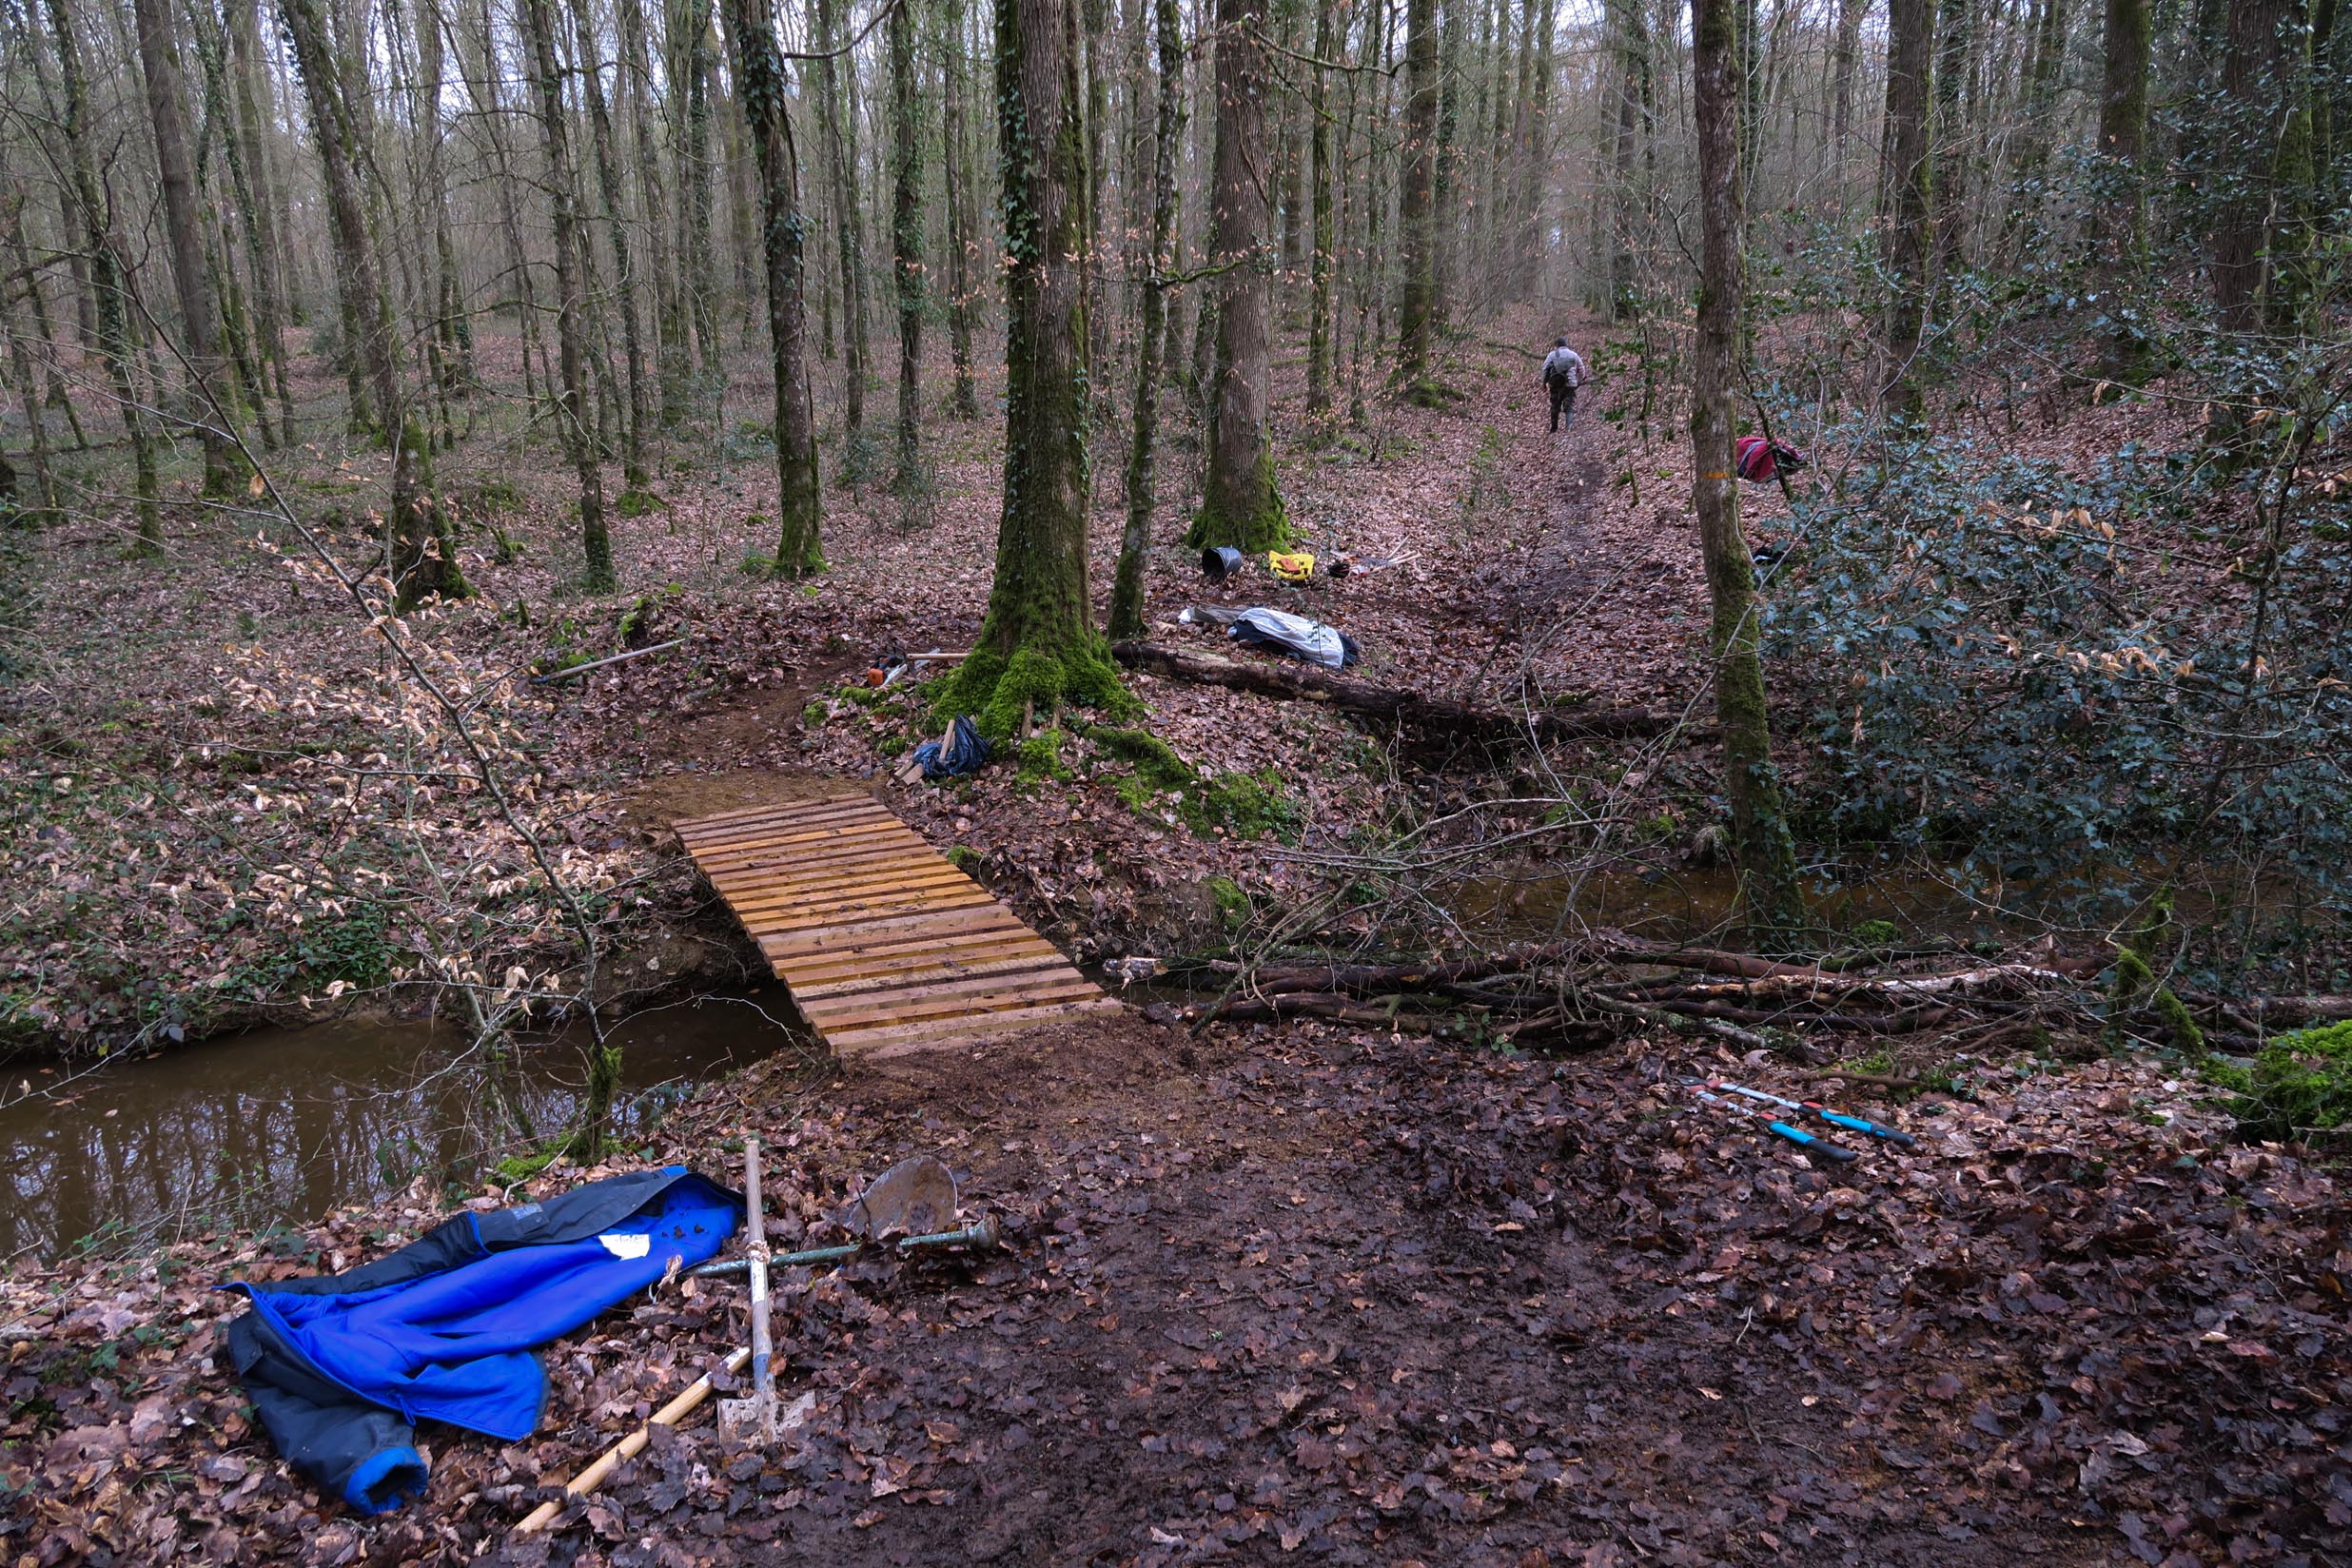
x,y
279,1127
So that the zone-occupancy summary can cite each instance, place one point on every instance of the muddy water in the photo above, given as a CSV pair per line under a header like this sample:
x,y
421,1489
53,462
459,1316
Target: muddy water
x,y
279,1127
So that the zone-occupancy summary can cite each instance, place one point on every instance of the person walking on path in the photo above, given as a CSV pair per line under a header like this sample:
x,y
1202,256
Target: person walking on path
x,y
1563,372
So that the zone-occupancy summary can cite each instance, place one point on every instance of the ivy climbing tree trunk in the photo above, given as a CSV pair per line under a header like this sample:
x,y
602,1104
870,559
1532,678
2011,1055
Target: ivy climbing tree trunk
x,y
1417,211
422,550
1240,505
760,75
580,441
1037,648
962,286
1126,595
1769,897
907,242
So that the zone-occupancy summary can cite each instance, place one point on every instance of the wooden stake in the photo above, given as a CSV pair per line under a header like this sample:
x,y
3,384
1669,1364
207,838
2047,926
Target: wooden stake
x,y
628,1447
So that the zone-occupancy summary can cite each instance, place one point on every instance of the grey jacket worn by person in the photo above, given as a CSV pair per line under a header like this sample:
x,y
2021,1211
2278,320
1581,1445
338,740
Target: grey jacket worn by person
x,y
1565,361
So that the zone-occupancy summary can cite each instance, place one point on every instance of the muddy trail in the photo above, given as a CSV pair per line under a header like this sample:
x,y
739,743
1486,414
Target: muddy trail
x,y
1306,1294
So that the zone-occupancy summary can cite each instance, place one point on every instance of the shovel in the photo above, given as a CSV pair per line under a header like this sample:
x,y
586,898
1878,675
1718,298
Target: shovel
x,y
744,1418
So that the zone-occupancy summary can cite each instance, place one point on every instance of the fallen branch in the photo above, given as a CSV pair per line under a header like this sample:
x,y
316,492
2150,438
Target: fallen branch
x,y
1436,716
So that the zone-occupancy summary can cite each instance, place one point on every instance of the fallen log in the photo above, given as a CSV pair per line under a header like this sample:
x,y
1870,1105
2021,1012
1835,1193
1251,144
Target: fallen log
x,y
1439,715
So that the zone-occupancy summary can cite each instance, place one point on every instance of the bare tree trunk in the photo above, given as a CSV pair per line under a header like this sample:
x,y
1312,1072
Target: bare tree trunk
x,y
1240,505
1417,215
690,65
257,205
1448,197
1127,596
962,237
453,328
1907,181
615,199
423,558
1535,170
570,332
1321,145
1843,53
211,402
907,243
2044,60
759,71
1635,112
2120,219
1955,43
672,369
839,132
108,276
1769,897
490,99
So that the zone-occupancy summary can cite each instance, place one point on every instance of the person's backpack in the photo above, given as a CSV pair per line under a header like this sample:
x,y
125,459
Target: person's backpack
x,y
1763,462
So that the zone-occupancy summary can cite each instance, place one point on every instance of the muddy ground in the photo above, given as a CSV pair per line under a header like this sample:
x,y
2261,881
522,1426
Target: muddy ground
x,y
1312,1295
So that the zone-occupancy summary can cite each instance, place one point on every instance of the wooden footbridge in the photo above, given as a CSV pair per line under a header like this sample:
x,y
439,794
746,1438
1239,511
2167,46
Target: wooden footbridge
x,y
886,946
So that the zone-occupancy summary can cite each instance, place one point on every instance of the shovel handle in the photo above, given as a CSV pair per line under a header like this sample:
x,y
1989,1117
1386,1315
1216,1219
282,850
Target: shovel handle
x,y
1892,1135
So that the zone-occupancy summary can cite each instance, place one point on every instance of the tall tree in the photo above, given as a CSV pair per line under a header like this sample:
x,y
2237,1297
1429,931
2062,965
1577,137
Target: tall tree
x,y
421,546
1954,46
580,441
1037,647
691,66
1320,146
109,274
907,240
1845,51
837,127
963,286
1770,895
759,72
612,197
1240,505
2120,215
1417,210
258,210
1906,182
212,400
1637,113
1127,596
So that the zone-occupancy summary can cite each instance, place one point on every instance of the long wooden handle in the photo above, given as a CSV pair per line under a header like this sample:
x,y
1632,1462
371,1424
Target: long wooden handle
x,y
628,1447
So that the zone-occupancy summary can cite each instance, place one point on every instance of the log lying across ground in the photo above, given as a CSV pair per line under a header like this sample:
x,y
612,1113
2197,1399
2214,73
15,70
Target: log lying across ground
x,y
1436,716
1586,989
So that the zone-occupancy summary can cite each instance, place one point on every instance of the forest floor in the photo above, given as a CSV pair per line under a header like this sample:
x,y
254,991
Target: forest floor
x,y
1304,1294
1270,1293
212,779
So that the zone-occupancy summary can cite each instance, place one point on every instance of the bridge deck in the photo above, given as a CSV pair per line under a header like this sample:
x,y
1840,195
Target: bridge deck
x,y
886,946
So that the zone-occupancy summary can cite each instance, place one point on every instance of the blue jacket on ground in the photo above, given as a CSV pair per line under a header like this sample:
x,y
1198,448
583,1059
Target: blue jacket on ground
x,y
341,1368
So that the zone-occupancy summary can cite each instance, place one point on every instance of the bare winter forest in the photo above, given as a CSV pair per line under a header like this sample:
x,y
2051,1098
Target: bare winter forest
x,y
1732,944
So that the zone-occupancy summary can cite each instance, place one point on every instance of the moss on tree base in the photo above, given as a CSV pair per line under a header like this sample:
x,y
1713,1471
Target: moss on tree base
x,y
1263,523
999,691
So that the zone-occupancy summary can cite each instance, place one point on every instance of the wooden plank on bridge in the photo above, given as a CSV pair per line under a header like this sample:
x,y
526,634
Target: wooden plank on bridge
x,y
886,946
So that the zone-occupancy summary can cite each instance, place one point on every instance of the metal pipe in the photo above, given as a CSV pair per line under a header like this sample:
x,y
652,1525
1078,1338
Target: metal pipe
x,y
983,1235
763,1372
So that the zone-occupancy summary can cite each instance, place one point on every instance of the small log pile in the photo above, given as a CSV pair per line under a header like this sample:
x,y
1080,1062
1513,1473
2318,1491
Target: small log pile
x,y
1594,989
